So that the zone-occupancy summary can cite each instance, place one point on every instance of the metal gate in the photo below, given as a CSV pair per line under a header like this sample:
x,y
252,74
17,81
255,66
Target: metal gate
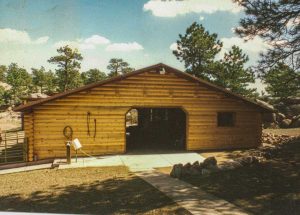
x,y
13,147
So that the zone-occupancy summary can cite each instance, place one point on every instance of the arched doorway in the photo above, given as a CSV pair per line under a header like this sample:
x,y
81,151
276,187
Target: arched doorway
x,y
155,129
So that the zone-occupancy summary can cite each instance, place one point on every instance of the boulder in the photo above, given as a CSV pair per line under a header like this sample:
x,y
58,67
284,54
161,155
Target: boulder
x,y
270,152
229,165
285,123
292,100
263,103
177,171
280,117
247,161
295,109
295,122
209,163
194,171
196,165
269,117
270,125
205,172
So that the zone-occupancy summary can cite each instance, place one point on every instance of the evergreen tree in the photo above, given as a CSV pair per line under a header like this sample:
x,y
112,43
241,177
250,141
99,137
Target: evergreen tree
x,y
43,82
3,70
197,49
20,81
68,62
282,81
230,73
278,23
50,82
93,75
118,67
2,93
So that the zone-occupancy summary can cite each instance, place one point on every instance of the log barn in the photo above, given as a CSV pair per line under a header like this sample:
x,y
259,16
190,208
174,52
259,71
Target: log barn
x,y
154,108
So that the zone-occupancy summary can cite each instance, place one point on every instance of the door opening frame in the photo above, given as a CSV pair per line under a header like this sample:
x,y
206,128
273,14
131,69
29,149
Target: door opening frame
x,y
163,107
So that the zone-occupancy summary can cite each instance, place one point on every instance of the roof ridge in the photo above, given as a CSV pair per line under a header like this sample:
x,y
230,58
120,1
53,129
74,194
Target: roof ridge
x,y
30,105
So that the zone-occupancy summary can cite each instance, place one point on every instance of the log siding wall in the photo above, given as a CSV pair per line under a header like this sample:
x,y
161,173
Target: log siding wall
x,y
109,103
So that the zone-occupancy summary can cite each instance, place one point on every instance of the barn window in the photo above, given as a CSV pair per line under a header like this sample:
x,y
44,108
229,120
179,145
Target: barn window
x,y
226,119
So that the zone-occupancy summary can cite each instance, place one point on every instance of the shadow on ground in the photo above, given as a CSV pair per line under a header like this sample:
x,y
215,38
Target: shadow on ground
x,y
272,187
112,196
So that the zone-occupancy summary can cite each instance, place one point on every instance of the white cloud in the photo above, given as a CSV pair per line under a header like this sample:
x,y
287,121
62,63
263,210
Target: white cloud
x,y
201,18
83,44
8,35
72,44
172,8
97,40
255,45
124,47
42,40
173,46
251,47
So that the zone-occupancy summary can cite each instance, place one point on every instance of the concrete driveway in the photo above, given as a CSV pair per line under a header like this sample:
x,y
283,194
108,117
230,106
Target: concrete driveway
x,y
135,163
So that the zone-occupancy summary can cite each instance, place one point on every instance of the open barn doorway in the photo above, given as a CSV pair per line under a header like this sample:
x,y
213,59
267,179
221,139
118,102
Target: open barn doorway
x,y
155,129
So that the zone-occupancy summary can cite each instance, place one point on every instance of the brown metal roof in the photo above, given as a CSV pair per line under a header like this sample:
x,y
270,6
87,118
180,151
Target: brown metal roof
x,y
30,105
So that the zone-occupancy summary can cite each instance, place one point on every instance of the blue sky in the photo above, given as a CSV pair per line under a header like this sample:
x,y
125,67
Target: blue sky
x,y
139,31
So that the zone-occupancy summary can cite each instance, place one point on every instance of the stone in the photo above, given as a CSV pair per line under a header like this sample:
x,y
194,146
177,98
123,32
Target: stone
x,y
295,122
285,123
196,164
269,117
176,171
205,172
270,125
280,117
292,100
295,109
270,152
187,165
194,171
247,161
263,103
209,163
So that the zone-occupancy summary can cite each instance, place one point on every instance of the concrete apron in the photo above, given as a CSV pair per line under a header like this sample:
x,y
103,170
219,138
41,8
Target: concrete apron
x,y
189,197
135,163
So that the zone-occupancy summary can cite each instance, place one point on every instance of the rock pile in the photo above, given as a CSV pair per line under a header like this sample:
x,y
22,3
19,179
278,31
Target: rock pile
x,y
286,114
275,139
209,165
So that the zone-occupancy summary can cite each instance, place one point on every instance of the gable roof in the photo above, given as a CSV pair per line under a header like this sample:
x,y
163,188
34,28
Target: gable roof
x,y
30,105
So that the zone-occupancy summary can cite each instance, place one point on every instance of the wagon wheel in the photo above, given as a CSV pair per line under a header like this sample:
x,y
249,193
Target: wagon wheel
x,y
68,132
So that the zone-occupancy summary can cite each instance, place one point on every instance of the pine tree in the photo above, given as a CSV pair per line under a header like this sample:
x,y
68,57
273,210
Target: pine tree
x,y
93,75
230,73
197,49
118,67
282,81
20,81
68,62
278,23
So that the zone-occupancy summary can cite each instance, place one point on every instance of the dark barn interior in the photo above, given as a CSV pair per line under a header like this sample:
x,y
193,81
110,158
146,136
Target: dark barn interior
x,y
155,129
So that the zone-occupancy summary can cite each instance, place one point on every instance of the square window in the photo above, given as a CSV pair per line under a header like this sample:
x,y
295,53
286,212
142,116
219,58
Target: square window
x,y
226,119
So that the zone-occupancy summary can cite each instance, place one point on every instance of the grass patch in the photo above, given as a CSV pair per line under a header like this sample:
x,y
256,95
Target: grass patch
x,y
105,190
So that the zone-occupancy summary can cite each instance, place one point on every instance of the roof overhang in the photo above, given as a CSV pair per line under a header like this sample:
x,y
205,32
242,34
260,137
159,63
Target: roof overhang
x,y
29,106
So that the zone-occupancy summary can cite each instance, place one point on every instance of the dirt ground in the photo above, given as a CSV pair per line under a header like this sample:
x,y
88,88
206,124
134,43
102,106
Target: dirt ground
x,y
288,131
222,156
271,187
7,124
105,190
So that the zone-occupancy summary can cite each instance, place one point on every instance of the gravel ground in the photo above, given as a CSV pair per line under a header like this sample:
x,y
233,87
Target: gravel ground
x,y
288,131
